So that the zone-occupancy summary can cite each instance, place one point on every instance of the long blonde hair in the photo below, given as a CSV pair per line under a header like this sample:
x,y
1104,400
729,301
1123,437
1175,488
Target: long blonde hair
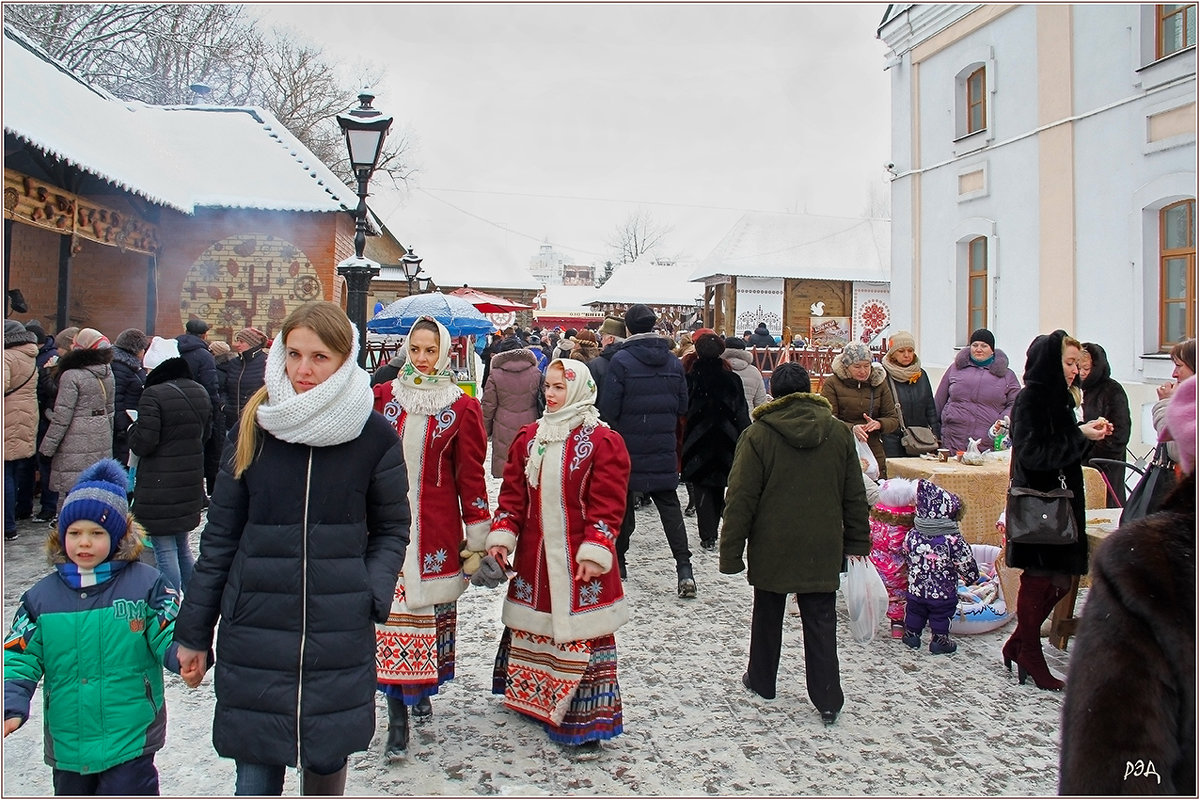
x,y
332,327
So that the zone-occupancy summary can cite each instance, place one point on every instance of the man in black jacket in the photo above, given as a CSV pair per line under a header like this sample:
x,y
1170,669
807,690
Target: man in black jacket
x,y
194,350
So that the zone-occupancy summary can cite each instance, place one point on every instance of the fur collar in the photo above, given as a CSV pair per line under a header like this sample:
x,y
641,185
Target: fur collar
x,y
998,367
170,370
82,359
514,359
877,376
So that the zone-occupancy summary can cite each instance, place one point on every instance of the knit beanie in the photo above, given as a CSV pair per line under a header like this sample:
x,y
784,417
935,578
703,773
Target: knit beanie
x,y
709,345
985,336
613,326
586,336
900,340
639,319
219,349
99,496
91,339
132,340
160,350
64,338
35,327
854,352
735,343
1181,422
16,334
252,337
696,334
934,502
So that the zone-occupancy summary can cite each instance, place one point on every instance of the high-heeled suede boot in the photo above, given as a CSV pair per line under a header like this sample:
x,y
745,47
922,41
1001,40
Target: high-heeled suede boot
x,y
314,783
1035,600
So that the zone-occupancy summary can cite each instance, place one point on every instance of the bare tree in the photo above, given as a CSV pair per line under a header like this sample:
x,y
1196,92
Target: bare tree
x,y
156,53
639,234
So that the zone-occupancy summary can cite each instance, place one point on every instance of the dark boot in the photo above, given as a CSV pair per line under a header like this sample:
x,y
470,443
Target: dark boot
x,y
1035,600
397,741
423,710
687,583
329,785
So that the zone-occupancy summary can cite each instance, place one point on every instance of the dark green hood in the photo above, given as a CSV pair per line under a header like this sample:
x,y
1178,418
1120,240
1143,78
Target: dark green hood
x,y
803,420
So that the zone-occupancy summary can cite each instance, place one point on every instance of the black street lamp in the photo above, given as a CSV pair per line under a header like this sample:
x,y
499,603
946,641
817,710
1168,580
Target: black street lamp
x,y
365,129
411,264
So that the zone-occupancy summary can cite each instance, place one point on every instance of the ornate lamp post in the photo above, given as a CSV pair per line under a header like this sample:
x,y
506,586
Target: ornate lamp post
x,y
411,264
365,129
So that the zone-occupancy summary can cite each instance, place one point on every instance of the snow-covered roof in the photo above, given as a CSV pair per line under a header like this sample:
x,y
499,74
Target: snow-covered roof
x,y
643,281
572,299
185,157
802,246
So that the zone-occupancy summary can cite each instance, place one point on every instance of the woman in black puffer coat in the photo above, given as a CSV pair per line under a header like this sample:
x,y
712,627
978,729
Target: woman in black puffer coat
x,y
130,377
716,416
1104,397
1048,447
174,415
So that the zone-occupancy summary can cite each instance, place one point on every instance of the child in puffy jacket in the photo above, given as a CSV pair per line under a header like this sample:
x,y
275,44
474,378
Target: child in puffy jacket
x,y
99,631
938,557
891,520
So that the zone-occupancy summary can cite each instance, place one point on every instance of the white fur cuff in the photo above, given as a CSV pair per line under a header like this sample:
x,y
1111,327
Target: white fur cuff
x,y
594,552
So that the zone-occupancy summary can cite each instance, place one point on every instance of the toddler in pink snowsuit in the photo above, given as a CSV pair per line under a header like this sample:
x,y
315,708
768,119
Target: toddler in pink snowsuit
x,y
891,520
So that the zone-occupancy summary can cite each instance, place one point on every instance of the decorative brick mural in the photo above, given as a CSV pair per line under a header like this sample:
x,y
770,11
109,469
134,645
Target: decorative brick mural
x,y
252,279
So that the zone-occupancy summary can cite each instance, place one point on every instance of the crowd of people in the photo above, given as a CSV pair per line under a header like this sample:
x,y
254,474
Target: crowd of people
x,y
347,513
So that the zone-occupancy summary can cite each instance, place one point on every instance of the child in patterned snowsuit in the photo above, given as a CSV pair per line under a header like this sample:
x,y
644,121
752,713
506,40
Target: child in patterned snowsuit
x,y
891,520
938,557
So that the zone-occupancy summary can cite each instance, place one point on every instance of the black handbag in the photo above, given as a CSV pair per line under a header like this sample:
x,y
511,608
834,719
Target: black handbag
x,y
913,438
1033,517
1154,485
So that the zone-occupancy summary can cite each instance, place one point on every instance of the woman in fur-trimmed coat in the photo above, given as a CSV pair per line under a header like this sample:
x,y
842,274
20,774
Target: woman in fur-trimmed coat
x,y
510,400
557,517
80,431
860,396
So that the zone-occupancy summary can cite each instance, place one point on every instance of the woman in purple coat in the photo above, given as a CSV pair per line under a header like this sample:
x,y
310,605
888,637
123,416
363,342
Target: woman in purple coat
x,y
977,390
510,398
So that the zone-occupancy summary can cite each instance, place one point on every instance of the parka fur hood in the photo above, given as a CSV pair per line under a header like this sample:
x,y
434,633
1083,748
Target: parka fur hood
x,y
82,359
877,377
803,420
514,360
998,367
169,370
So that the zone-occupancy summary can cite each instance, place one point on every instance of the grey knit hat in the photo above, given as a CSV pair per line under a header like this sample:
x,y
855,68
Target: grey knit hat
x,y
854,352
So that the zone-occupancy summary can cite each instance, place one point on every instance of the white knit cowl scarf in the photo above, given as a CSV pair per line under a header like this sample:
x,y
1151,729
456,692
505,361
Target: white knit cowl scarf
x,y
555,426
332,412
421,393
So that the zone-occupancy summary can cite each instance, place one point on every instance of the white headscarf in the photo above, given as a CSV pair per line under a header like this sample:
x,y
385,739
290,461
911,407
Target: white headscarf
x,y
427,394
332,412
555,426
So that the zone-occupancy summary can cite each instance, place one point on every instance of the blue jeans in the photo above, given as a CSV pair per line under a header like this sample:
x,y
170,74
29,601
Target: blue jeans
x,y
10,498
173,554
267,779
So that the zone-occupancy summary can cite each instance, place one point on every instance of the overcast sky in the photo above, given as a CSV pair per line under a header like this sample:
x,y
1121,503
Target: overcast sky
x,y
556,121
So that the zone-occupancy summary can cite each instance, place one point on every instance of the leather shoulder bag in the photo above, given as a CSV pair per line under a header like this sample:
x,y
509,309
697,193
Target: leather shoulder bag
x,y
1033,517
913,438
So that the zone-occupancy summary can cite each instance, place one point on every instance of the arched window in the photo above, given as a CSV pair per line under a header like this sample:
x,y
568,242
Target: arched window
x,y
1177,273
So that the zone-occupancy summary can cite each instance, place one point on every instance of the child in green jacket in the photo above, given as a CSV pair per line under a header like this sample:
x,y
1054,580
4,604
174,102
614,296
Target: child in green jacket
x,y
99,632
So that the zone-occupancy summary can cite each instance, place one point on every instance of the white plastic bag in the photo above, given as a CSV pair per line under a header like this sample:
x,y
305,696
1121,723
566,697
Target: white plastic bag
x,y
864,452
866,598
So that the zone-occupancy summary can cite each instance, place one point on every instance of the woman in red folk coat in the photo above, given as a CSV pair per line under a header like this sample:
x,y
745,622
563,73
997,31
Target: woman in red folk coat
x,y
559,511
441,429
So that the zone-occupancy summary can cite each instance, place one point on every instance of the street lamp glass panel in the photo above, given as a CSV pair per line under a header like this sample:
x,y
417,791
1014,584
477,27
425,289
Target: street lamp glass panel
x,y
411,264
364,147
423,284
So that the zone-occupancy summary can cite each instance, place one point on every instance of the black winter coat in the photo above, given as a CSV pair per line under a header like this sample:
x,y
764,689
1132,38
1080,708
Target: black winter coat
x,y
716,416
1132,695
298,560
130,376
1104,397
1046,441
598,366
174,418
195,352
645,394
244,375
916,403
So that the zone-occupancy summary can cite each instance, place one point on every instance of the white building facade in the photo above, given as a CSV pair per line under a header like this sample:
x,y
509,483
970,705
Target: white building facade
x,y
1045,177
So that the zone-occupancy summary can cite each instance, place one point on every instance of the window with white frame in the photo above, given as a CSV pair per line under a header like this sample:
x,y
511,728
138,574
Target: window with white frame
x,y
974,86
1177,273
974,276
977,288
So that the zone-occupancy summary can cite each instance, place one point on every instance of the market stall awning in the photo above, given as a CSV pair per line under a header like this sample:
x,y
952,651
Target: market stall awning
x,y
488,303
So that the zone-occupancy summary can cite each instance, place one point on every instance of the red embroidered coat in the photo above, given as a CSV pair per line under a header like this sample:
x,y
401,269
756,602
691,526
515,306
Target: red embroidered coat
x,y
574,514
444,454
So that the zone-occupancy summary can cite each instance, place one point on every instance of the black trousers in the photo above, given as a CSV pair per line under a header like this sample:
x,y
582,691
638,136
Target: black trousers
x,y
710,505
667,503
136,777
821,670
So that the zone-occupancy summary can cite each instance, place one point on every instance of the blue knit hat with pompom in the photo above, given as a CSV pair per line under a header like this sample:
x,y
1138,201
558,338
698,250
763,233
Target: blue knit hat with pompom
x,y
99,496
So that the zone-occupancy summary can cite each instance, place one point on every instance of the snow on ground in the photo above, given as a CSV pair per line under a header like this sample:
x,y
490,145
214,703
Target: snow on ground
x,y
913,724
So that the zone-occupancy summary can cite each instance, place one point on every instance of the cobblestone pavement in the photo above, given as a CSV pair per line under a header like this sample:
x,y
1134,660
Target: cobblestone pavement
x,y
913,724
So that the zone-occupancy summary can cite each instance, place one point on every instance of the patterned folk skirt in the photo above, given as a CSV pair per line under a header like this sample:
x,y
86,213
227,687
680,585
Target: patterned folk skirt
x,y
571,687
414,652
